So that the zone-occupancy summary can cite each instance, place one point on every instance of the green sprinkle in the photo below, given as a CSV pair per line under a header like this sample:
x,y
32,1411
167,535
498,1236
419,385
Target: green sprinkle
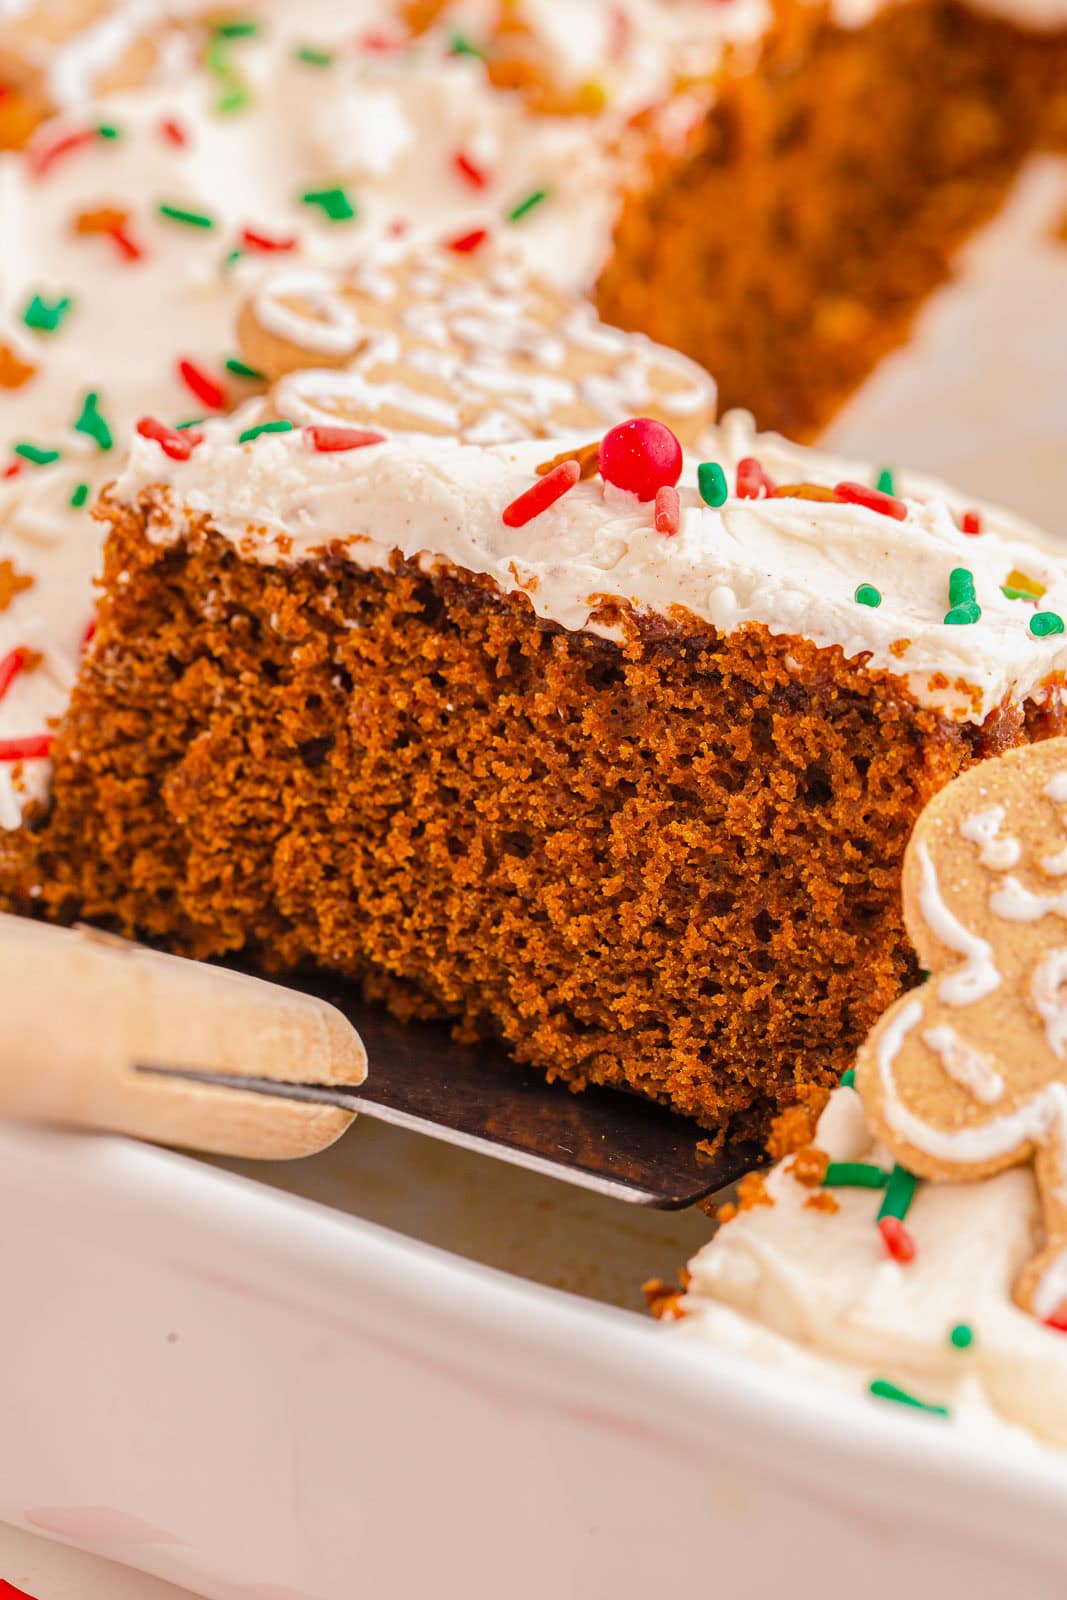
x,y
925,974
868,595
312,57
460,45
107,130
1017,594
80,495
241,369
92,423
1042,623
236,30
517,213
334,202
46,317
228,260
190,422
191,219
39,457
969,611
881,1389
960,587
961,1337
217,57
235,98
899,1193
281,426
855,1175
885,481
711,481
848,1079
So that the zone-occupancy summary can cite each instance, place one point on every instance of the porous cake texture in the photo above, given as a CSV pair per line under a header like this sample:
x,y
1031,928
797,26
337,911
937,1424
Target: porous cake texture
x,y
630,797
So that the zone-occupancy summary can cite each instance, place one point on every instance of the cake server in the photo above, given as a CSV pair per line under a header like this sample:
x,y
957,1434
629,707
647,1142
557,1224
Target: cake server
x,y
102,1033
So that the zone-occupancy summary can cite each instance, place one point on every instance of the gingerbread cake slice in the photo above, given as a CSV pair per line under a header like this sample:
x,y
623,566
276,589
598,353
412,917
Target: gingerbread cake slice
x,y
617,766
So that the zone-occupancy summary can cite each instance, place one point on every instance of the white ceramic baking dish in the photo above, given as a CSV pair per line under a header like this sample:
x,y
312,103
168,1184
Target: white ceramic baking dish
x,y
265,1399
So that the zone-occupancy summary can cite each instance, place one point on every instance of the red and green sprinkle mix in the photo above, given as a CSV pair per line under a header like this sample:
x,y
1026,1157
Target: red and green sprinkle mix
x,y
201,384
882,1389
528,204
541,495
279,425
45,316
711,481
189,219
963,608
855,1175
92,423
333,203
178,446
859,494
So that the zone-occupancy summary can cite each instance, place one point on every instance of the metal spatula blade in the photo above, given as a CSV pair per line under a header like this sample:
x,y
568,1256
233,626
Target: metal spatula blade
x,y
418,1078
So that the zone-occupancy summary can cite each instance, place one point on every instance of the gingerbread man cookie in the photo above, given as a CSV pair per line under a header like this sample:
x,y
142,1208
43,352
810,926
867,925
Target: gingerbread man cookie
x,y
434,341
967,1076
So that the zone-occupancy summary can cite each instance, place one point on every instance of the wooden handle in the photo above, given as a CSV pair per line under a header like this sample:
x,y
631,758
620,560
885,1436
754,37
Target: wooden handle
x,y
81,1011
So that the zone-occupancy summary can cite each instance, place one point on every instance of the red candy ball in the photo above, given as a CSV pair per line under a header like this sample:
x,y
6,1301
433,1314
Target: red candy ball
x,y
641,456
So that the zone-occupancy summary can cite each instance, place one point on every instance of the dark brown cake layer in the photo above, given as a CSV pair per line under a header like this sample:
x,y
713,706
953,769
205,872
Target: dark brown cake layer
x,y
824,199
673,865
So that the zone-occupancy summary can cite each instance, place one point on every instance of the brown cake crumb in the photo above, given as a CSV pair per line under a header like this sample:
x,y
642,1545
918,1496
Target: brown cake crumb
x,y
791,1130
809,1166
663,1299
752,1191
586,455
822,1201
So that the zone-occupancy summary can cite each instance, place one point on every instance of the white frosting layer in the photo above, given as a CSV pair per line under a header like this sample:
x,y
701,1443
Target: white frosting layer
x,y
814,1293
791,564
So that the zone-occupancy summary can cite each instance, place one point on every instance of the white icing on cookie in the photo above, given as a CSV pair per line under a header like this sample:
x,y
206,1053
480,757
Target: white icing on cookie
x,y
978,977
965,1065
983,829
1049,994
1013,901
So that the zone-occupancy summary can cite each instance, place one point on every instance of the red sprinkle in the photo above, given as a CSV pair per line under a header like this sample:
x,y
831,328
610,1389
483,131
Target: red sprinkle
x,y
667,515
12,471
750,479
40,160
8,1590
127,245
26,749
1058,1319
897,1240
464,243
10,667
90,633
640,455
178,445
326,440
475,175
252,239
202,385
381,42
173,131
971,522
542,494
859,494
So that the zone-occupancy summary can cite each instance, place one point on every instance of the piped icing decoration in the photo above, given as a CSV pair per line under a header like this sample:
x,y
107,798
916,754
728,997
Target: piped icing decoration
x,y
419,340
967,1077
